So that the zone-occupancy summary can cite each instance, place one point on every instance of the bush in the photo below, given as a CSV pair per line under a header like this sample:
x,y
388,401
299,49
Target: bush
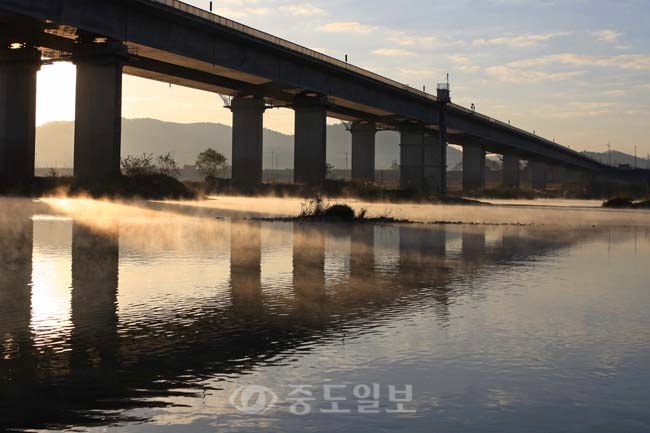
x,y
315,208
138,165
339,211
167,165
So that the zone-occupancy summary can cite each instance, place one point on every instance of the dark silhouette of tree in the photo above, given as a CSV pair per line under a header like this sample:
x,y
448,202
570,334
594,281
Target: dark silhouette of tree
x,y
210,162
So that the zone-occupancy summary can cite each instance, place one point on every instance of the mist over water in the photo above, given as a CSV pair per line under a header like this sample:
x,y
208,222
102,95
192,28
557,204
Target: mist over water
x,y
148,316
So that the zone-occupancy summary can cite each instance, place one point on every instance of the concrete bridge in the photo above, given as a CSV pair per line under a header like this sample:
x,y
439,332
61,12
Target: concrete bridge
x,y
173,42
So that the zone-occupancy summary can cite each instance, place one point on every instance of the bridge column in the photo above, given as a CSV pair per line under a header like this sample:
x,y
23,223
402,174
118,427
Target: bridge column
x,y
473,167
511,172
420,160
98,112
18,69
537,174
363,150
247,140
411,158
433,169
310,140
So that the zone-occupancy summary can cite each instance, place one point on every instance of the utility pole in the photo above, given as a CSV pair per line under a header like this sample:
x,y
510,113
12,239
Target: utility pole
x,y
272,159
347,154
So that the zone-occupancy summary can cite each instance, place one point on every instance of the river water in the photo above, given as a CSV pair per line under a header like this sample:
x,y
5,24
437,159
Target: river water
x,y
160,317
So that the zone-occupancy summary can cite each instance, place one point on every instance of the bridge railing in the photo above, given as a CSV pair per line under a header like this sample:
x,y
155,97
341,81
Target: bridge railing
x,y
184,7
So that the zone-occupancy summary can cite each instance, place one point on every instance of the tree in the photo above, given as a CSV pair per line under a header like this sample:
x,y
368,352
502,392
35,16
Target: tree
x,y
210,162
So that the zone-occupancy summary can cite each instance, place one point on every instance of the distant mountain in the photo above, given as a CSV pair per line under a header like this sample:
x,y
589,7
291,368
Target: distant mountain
x,y
54,143
618,158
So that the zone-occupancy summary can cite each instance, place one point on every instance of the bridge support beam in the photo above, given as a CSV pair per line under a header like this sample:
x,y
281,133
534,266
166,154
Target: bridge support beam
x,y
18,113
473,167
98,112
420,161
511,171
537,174
247,140
310,161
363,150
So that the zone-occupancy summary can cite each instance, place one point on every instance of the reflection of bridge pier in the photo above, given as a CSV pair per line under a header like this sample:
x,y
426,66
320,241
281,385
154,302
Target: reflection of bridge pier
x,y
16,342
421,258
417,244
308,266
362,252
473,244
95,264
246,266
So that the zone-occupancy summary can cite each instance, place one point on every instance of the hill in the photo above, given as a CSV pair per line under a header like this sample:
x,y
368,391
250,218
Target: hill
x,y
54,146
618,158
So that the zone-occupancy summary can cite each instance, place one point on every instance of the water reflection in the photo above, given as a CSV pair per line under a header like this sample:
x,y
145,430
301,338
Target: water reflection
x,y
121,353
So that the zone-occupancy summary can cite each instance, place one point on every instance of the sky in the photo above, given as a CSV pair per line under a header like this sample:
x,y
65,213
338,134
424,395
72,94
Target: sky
x,y
577,71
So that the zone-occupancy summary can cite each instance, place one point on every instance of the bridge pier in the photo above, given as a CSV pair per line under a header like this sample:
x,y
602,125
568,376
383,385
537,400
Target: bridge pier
x,y
98,112
473,166
537,174
18,69
411,157
310,140
247,140
511,171
420,160
363,150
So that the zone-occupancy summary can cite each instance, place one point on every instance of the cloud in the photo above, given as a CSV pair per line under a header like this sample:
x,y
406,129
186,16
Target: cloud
x,y
622,61
607,35
346,27
575,110
519,41
303,10
516,75
463,63
393,52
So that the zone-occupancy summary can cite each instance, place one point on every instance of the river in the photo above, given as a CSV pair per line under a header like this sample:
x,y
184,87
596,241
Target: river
x,y
159,317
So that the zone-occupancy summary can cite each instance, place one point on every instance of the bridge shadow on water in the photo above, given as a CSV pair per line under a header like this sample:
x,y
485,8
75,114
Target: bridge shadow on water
x,y
126,337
